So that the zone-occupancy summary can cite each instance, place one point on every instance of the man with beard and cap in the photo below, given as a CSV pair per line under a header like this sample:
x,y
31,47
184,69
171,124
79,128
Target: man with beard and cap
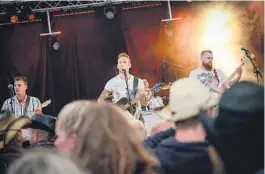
x,y
10,138
237,134
184,149
212,77
42,131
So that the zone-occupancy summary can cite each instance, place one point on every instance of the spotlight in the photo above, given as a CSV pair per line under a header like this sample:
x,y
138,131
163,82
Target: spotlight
x,y
110,12
54,43
27,14
12,13
31,16
14,19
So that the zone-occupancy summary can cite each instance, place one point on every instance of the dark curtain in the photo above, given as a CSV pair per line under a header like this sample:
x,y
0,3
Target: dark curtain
x,y
86,60
19,55
89,45
141,29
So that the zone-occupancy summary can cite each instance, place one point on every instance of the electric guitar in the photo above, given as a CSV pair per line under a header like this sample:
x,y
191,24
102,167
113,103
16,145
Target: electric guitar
x,y
125,104
223,84
43,105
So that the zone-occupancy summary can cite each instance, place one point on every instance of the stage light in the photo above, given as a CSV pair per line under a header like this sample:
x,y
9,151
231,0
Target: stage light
x,y
12,13
14,19
54,43
31,16
110,12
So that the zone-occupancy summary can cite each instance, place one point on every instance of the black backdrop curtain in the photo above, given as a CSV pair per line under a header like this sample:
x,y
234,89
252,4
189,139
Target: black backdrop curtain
x,y
89,45
86,60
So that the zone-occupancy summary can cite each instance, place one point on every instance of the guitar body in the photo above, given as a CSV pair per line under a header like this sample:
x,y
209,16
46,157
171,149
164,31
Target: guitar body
x,y
124,104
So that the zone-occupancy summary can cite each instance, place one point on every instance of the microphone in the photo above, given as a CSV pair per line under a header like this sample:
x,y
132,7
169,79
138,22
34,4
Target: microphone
x,y
10,86
248,53
244,49
11,92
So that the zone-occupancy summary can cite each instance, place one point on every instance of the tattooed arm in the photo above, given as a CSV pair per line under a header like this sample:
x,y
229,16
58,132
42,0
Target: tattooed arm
x,y
104,95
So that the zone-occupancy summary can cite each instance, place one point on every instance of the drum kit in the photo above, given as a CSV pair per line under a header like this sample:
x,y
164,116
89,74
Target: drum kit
x,y
153,109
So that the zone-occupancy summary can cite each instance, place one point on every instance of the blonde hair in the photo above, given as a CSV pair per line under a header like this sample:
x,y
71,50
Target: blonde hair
x,y
124,55
105,142
139,127
44,161
206,51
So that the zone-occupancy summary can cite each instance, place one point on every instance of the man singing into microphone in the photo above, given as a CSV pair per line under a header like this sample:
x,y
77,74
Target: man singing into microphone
x,y
117,85
22,104
211,77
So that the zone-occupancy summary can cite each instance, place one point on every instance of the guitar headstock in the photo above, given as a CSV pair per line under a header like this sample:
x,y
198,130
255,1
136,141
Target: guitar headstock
x,y
160,86
157,87
245,60
46,103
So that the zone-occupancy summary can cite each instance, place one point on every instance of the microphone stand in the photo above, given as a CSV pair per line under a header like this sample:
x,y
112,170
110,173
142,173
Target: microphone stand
x,y
11,92
127,87
256,71
164,61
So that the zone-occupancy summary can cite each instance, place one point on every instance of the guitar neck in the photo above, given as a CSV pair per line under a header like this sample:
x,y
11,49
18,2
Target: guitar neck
x,y
234,73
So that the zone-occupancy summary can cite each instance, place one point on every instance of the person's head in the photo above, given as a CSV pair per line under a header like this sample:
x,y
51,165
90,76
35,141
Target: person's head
x,y
101,137
42,128
146,84
10,128
44,162
237,132
161,126
124,62
187,99
20,85
207,59
39,135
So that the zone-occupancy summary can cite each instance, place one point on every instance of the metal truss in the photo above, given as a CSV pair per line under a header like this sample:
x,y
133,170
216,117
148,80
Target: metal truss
x,y
46,5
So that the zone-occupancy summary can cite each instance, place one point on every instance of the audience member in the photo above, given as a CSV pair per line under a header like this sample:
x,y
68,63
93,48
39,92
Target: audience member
x,y
42,132
238,131
43,161
183,149
102,138
10,138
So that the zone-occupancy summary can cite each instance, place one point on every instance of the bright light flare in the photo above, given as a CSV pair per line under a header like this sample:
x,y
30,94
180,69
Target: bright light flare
x,y
218,37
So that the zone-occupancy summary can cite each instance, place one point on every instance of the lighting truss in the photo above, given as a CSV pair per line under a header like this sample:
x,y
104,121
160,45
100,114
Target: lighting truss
x,y
46,5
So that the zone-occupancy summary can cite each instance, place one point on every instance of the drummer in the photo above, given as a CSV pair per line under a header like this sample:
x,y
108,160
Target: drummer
x,y
148,95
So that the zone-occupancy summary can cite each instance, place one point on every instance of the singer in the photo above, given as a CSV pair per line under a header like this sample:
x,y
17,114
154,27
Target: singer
x,y
212,77
22,103
117,86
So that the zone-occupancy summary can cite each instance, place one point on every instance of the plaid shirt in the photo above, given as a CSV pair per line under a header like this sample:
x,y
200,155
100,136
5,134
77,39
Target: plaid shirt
x,y
18,108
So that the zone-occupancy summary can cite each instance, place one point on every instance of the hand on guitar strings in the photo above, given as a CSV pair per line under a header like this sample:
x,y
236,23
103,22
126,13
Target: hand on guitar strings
x,y
239,71
38,111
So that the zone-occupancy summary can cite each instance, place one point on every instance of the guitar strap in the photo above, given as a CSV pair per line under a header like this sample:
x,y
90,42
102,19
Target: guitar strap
x,y
135,86
26,106
216,75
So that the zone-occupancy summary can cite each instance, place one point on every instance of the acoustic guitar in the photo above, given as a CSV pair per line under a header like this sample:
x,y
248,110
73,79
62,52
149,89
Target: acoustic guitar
x,y
125,104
